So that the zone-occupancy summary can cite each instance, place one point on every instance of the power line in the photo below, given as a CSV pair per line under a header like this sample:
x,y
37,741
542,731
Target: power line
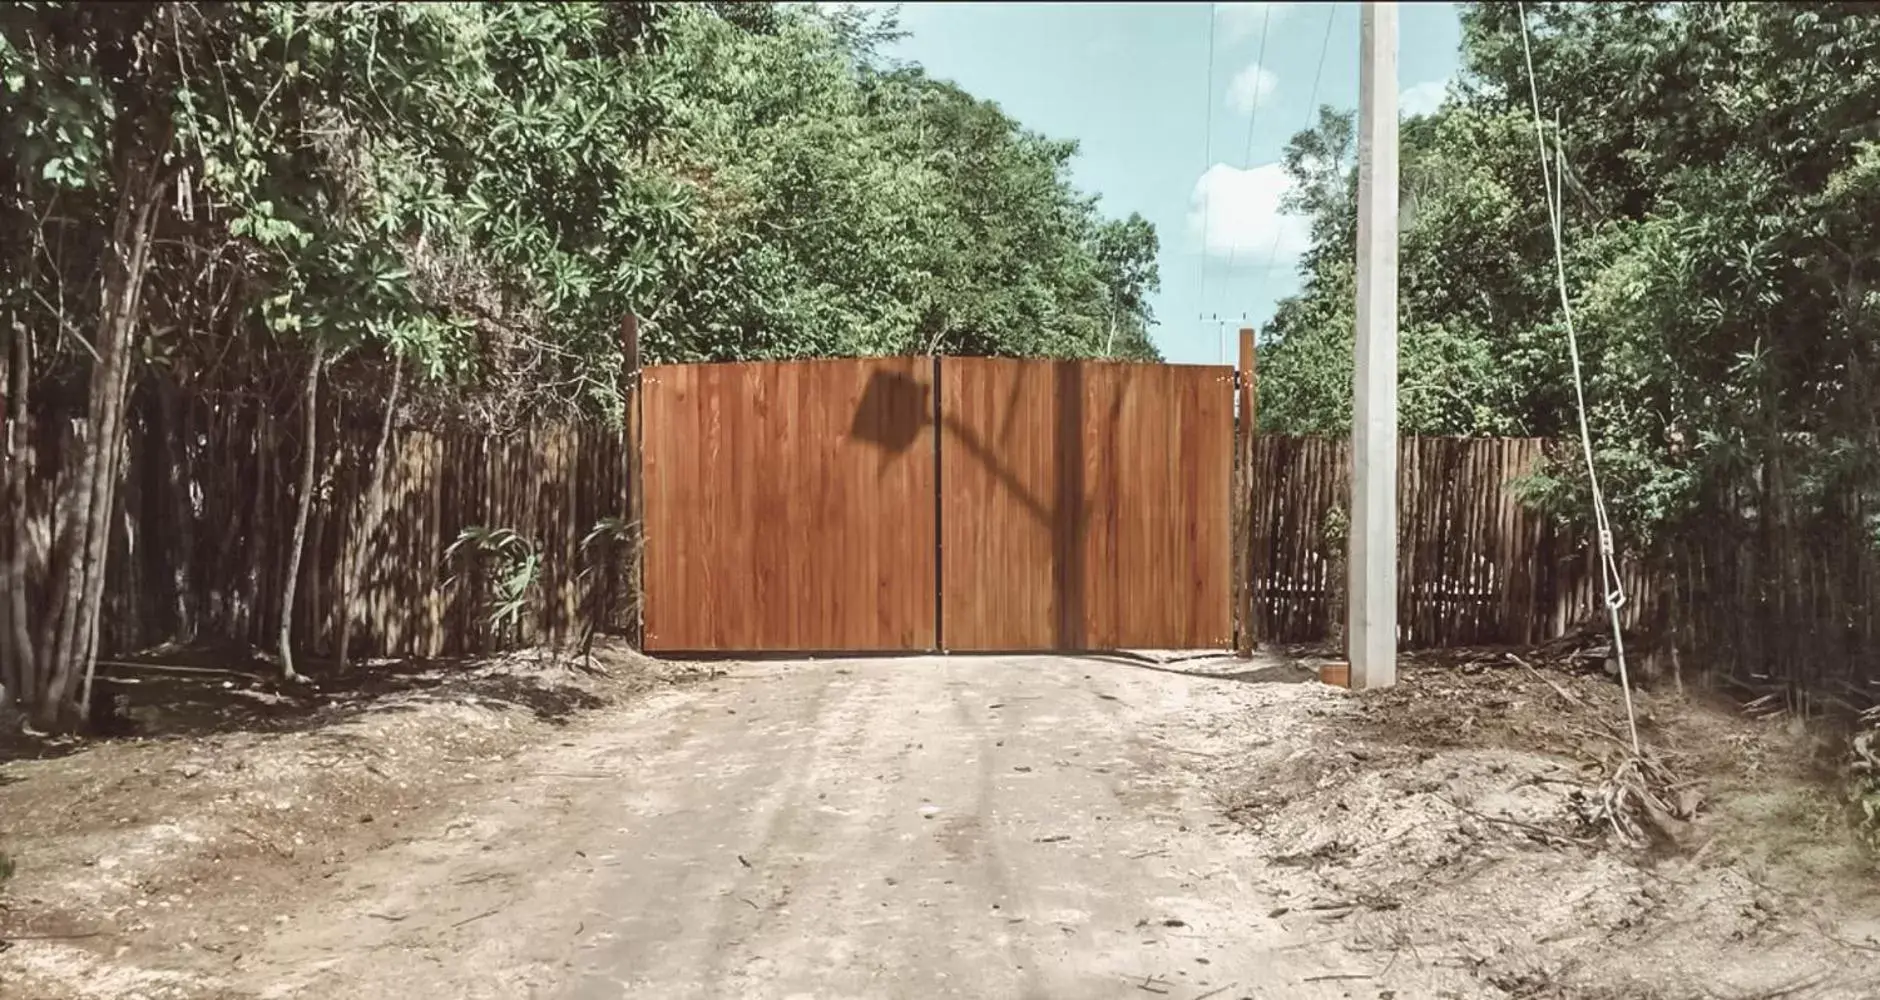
x,y
1253,113
1312,111
1207,156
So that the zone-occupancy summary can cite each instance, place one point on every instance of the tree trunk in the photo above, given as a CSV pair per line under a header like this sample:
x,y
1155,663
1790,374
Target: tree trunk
x,y
16,641
351,581
76,582
181,556
254,549
309,461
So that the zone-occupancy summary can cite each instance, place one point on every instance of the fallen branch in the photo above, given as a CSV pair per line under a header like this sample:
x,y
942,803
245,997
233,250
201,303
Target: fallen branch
x,y
1630,794
1538,831
1566,695
173,668
492,911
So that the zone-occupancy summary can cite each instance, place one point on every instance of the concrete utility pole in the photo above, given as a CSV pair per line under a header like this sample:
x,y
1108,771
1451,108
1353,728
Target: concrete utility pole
x,y
1371,633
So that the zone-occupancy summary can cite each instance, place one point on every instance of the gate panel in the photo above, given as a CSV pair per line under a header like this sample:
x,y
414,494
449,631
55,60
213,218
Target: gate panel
x,y
789,506
1085,505
999,505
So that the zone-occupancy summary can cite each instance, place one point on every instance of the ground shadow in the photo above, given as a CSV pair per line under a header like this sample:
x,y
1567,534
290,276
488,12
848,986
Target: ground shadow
x,y
1285,671
1279,669
210,691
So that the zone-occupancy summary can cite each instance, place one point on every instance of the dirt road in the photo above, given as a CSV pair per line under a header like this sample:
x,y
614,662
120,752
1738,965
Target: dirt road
x,y
893,828
930,827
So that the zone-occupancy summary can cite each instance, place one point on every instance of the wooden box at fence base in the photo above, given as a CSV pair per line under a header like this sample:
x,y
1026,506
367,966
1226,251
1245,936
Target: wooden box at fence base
x,y
789,506
1085,505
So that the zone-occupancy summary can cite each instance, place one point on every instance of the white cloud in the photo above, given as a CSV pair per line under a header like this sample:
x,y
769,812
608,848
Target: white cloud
x,y
1235,214
1422,99
1239,21
1250,88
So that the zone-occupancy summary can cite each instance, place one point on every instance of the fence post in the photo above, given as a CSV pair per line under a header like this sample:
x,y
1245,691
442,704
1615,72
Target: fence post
x,y
1246,427
636,494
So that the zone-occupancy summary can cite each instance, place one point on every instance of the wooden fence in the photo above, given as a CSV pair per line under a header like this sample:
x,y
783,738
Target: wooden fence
x,y
1474,564
209,502
1762,597
1772,599
200,549
1767,595
1085,505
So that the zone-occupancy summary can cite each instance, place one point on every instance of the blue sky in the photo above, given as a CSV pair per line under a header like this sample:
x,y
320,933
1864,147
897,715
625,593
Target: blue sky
x,y
1130,82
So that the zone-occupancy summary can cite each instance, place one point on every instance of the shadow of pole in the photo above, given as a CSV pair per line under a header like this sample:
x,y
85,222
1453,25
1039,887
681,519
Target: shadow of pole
x,y
1069,507
895,407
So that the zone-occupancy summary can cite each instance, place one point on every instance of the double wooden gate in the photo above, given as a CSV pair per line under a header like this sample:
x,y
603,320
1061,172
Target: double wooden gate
x,y
962,504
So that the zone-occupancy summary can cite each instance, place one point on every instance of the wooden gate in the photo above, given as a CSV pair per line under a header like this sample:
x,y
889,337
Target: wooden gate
x,y
1063,505
789,506
1084,505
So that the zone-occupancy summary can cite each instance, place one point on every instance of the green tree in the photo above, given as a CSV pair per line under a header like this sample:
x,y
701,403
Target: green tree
x,y
300,202
1718,206
1721,182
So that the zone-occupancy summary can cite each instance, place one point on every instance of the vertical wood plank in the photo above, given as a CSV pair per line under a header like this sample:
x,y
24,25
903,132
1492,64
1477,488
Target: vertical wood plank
x,y
1248,429
1087,505
788,506
632,444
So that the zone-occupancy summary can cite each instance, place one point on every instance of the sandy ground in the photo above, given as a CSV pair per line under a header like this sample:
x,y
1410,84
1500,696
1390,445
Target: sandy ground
x,y
930,827
906,828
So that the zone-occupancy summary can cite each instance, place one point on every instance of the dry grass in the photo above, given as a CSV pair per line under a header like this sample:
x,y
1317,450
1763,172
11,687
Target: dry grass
x,y
1489,814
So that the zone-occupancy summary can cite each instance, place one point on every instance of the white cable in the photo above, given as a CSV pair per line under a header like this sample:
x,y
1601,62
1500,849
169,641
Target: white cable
x,y
1554,182
1207,158
1312,116
1253,114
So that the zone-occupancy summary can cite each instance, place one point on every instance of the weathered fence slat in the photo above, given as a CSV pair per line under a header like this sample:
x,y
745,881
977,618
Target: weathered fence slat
x,y
1474,564
210,478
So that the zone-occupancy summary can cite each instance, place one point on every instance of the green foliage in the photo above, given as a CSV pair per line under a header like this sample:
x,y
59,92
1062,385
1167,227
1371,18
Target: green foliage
x,y
511,564
508,563
1722,210
233,196
487,189
607,532
606,544
1336,529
